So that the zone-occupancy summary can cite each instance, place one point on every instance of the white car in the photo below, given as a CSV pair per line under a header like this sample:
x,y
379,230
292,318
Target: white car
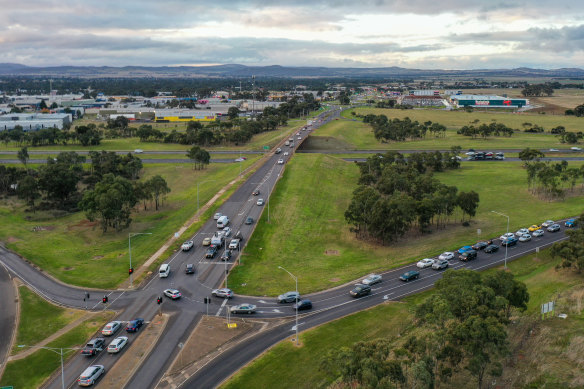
x,y
234,244
90,375
138,151
447,255
575,148
371,279
239,159
506,236
217,216
522,231
299,138
111,328
186,246
260,202
286,154
554,150
226,232
117,344
280,162
426,262
525,238
537,233
547,223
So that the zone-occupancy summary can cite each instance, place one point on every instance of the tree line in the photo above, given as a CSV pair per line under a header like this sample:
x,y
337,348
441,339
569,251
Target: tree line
x,y
109,190
537,90
396,194
462,325
578,111
571,251
398,130
552,180
485,130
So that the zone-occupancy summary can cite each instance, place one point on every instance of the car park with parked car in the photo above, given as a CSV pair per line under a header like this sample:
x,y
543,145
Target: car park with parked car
x,y
360,290
117,344
410,275
371,279
243,308
134,325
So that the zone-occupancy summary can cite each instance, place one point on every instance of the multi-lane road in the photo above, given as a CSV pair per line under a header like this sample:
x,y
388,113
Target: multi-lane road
x,y
211,273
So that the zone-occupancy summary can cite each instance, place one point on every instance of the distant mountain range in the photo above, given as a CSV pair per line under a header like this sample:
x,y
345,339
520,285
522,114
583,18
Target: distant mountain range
x,y
275,71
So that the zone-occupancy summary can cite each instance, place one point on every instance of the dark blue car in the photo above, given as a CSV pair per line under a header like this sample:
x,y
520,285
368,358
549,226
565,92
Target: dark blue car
x,y
134,325
511,241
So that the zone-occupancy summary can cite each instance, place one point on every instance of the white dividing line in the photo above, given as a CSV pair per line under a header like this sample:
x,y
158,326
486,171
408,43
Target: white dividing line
x,y
221,307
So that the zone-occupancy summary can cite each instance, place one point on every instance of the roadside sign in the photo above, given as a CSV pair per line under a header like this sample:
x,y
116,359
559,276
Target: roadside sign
x,y
478,231
231,325
266,147
176,234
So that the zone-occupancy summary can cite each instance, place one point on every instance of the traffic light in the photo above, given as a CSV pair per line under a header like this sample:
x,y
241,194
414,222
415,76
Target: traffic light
x,y
207,300
130,271
104,299
159,300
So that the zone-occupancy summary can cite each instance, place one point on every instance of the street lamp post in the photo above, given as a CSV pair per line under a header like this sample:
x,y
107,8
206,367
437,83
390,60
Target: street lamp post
x,y
506,245
296,280
130,249
56,351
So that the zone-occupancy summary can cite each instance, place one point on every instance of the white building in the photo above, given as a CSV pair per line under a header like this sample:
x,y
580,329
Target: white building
x,y
34,121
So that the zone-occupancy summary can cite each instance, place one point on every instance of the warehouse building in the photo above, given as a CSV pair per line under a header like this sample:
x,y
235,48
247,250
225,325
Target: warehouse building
x,y
35,121
480,101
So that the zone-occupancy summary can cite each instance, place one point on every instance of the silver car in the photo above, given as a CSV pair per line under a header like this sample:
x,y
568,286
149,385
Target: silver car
x,y
223,292
372,279
243,308
289,297
117,344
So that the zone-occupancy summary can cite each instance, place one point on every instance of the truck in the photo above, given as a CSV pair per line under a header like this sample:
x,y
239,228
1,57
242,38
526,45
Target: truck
x,y
93,347
217,239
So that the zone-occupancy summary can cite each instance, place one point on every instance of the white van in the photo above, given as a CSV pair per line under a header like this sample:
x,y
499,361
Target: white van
x,y
164,270
222,222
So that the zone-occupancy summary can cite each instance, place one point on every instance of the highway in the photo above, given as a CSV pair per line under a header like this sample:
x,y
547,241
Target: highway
x,y
210,273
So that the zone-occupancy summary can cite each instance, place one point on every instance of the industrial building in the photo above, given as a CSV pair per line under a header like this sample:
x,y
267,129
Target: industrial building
x,y
34,121
480,101
165,116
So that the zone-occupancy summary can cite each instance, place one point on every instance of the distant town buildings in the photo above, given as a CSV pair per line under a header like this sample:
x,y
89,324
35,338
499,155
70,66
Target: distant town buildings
x,y
34,121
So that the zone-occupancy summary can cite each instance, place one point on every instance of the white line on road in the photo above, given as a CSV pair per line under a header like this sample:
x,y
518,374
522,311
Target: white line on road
x,y
221,307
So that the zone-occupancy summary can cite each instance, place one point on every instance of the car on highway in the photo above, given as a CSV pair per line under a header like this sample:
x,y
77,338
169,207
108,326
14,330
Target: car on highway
x,y
534,227
226,256
134,325
211,252
186,246
302,305
92,347
255,192
90,375
173,294
190,268
522,231
299,138
360,290
371,279
547,223
464,249
260,202
240,159
479,245
234,244
138,151
117,344
278,150
243,308
554,228
217,216
537,233
226,232
447,255
111,328
575,148
511,241
206,241
468,255
249,220
280,162
507,235
223,292
288,297
424,263
525,238
491,248
500,157
440,264
554,150
410,275
286,154
571,223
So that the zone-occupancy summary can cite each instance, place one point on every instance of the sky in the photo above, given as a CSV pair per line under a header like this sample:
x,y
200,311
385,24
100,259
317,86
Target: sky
x,y
436,34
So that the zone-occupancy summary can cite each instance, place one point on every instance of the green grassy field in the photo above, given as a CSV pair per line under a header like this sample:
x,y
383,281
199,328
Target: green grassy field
x,y
70,247
349,134
39,319
308,235
30,372
286,366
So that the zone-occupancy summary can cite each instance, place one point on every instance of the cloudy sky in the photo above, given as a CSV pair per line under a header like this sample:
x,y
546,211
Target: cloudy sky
x,y
448,34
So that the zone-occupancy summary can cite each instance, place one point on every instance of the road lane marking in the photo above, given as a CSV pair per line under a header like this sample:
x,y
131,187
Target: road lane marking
x,y
221,307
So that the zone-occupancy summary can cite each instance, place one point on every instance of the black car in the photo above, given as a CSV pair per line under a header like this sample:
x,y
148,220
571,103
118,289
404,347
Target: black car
x,y
479,245
360,290
491,248
410,275
511,241
134,325
211,252
226,256
249,221
468,255
190,268
256,192
302,305
93,347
